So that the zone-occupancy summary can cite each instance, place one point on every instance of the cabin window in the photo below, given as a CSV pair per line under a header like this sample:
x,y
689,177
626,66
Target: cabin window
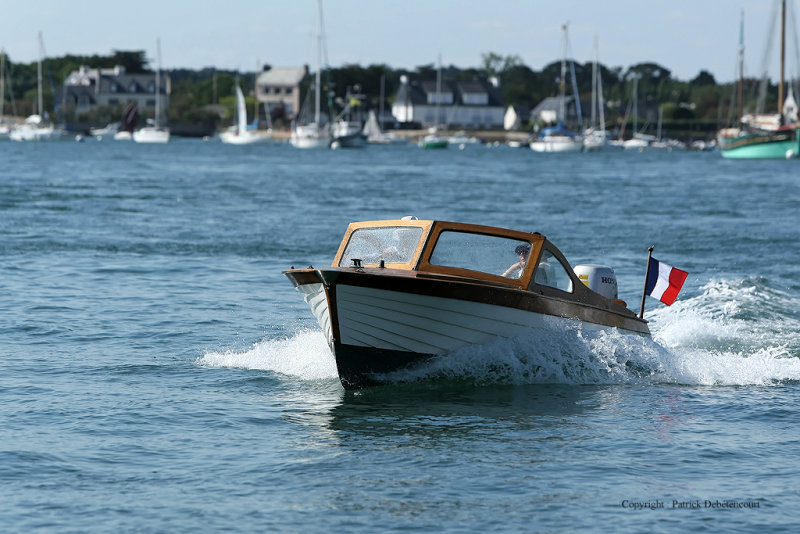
x,y
500,256
477,99
392,244
551,273
444,98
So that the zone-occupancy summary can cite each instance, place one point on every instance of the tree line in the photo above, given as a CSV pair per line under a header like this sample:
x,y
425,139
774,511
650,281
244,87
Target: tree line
x,y
205,98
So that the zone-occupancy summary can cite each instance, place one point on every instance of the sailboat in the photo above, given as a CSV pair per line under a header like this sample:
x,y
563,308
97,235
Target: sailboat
x,y
764,136
239,134
314,134
372,128
154,132
639,141
433,139
558,138
595,138
36,127
347,130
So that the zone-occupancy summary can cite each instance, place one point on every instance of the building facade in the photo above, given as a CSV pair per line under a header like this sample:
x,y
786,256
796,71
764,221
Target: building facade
x,y
279,89
88,89
473,105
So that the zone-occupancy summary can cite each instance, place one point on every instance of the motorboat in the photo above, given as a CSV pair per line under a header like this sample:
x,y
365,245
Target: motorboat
x,y
109,130
400,293
434,141
348,134
151,134
34,129
461,139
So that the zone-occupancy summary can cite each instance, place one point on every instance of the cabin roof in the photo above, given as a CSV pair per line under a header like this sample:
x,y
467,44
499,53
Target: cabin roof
x,y
416,92
283,76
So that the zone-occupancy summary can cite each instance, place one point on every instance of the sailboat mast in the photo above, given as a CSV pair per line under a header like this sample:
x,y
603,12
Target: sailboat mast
x,y
2,82
158,81
783,55
635,105
438,91
562,81
380,104
594,85
40,101
318,76
255,92
740,92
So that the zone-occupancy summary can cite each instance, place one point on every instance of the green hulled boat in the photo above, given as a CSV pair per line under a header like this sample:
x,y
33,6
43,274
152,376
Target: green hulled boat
x,y
780,144
763,136
433,141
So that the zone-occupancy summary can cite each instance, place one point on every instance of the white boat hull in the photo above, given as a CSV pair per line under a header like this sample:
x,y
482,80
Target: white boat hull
x,y
557,144
151,135
348,135
249,138
382,331
636,144
425,324
310,136
29,133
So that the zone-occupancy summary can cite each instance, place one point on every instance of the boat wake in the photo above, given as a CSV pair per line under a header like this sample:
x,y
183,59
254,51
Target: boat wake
x,y
304,355
732,333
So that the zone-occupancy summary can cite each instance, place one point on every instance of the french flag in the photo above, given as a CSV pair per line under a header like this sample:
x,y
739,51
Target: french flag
x,y
663,281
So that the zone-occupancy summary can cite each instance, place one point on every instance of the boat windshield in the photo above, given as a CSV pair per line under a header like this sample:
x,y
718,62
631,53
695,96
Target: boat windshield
x,y
392,244
480,252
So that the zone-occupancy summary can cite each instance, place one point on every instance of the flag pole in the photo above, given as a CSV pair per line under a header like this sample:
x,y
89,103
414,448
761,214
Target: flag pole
x,y
646,275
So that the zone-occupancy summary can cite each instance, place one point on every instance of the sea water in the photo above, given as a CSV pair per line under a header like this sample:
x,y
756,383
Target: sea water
x,y
159,373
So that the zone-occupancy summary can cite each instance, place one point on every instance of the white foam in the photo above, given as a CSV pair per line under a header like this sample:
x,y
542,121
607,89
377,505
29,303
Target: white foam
x,y
732,333
305,355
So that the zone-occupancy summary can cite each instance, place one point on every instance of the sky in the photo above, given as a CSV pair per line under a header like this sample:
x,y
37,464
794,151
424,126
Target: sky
x,y
683,36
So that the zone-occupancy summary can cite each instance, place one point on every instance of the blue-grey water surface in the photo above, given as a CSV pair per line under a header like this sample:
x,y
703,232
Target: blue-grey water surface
x,y
159,373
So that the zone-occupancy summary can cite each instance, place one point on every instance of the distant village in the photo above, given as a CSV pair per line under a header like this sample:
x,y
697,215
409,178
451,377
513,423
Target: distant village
x,y
502,95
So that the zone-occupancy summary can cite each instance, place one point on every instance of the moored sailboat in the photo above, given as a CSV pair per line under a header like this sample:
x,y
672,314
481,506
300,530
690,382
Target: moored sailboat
x,y
314,134
37,127
596,138
558,138
764,136
154,132
433,140
239,134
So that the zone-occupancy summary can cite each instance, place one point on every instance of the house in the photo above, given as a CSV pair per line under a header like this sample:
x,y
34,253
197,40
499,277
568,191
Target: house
x,y
473,104
279,88
88,89
549,111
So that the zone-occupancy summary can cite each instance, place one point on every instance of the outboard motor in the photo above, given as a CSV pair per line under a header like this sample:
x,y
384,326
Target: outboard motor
x,y
598,278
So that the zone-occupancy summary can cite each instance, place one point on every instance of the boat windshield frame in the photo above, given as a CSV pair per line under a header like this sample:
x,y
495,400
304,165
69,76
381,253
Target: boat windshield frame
x,y
512,238
390,241
424,258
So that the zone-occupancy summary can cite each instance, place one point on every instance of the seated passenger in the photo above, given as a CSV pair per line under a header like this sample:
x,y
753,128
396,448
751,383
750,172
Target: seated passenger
x,y
515,271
